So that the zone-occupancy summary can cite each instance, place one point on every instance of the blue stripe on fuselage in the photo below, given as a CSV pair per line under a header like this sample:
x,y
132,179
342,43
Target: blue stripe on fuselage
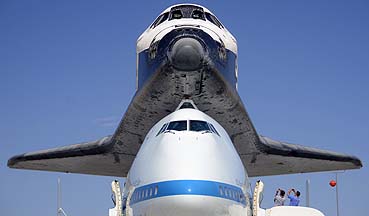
x,y
188,187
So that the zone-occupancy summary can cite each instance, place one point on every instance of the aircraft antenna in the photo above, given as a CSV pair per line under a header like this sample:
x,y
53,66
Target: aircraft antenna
x,y
60,211
307,192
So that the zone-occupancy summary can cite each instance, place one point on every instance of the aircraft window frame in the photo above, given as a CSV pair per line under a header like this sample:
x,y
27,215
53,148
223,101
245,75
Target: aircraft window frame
x,y
198,12
162,129
175,127
212,128
221,191
187,11
213,20
174,13
225,192
203,123
163,17
156,190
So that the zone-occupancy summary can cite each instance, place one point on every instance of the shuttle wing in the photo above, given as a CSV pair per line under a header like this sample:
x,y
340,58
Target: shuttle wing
x,y
263,156
109,156
275,158
96,158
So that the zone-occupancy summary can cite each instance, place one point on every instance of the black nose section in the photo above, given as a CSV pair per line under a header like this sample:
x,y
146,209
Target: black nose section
x,y
187,54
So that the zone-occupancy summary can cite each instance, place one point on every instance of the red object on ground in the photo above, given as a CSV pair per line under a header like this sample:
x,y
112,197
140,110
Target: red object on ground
x,y
332,183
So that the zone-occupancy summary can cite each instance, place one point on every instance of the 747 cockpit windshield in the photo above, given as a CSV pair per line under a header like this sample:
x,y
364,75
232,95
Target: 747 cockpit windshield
x,y
194,125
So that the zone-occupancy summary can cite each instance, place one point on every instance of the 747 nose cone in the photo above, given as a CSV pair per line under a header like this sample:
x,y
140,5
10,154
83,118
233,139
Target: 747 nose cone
x,y
187,54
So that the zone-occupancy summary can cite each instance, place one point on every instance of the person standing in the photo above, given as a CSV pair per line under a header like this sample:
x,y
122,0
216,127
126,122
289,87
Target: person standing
x,y
294,199
279,197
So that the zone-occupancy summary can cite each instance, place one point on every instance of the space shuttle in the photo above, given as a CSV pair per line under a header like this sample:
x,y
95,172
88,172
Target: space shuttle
x,y
186,143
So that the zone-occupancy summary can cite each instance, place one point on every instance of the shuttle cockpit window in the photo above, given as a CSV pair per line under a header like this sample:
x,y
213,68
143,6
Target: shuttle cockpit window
x,y
160,19
187,11
198,14
177,14
213,20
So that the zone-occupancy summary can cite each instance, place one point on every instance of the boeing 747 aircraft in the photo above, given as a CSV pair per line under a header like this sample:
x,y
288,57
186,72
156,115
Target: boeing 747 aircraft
x,y
186,143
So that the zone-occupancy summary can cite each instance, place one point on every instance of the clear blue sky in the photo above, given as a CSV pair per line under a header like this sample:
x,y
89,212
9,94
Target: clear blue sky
x,y
68,73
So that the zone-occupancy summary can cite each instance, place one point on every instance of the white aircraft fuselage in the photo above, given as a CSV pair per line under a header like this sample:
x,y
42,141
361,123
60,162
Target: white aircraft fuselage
x,y
188,169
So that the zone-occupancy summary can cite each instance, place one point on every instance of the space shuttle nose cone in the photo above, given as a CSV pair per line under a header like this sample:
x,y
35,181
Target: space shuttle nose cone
x,y
187,54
